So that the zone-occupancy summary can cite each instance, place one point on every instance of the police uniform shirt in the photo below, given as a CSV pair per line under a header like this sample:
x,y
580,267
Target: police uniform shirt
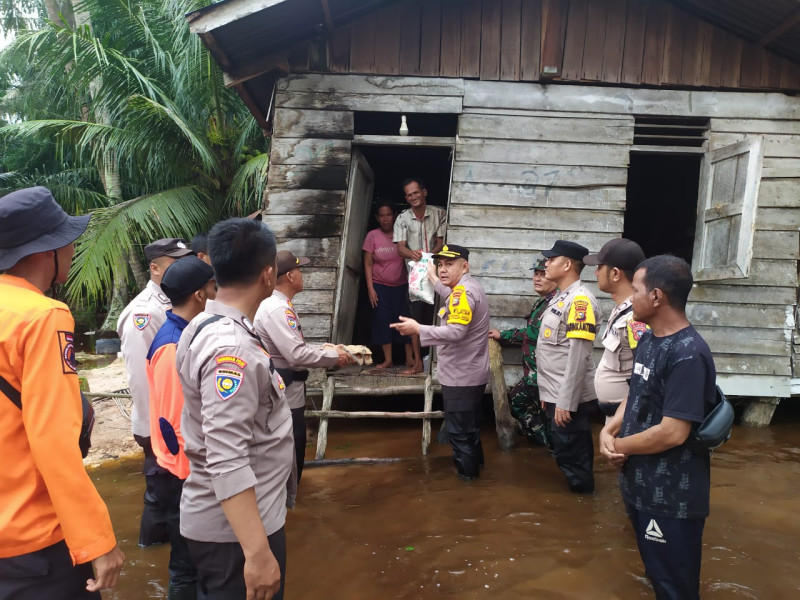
x,y
236,425
564,348
137,327
462,336
620,337
278,325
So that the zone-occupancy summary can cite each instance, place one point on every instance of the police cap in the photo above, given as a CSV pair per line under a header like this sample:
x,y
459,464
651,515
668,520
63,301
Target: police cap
x,y
622,253
452,251
567,249
288,261
173,247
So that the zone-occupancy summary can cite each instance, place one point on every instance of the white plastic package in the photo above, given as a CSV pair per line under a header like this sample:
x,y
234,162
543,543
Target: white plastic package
x,y
420,287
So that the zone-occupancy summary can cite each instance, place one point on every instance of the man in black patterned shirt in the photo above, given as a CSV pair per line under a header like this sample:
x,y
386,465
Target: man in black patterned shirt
x,y
665,485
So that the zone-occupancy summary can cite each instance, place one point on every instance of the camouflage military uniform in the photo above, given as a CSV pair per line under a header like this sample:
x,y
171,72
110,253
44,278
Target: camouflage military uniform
x,y
523,398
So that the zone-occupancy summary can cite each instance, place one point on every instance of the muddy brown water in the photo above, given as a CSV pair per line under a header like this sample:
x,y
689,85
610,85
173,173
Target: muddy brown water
x,y
412,530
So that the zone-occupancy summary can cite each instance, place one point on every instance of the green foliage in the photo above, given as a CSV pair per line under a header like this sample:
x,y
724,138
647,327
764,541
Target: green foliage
x,y
116,230
118,109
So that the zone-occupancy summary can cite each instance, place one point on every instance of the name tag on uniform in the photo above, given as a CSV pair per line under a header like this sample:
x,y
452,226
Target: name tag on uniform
x,y
556,312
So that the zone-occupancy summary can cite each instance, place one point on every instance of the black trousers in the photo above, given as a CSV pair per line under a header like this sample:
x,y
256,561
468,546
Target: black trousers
x,y
167,489
671,550
46,573
299,430
573,448
220,567
153,528
462,410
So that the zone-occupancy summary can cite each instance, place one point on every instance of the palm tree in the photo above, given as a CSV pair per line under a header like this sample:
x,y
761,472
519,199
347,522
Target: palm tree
x,y
141,129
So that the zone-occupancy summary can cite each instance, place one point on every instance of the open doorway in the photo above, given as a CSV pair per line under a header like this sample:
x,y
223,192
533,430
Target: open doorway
x,y
388,166
661,203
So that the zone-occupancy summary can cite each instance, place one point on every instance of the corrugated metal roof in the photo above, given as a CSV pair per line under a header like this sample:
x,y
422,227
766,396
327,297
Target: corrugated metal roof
x,y
754,20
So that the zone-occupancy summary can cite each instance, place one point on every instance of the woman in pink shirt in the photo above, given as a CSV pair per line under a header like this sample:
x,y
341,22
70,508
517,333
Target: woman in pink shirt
x,y
387,285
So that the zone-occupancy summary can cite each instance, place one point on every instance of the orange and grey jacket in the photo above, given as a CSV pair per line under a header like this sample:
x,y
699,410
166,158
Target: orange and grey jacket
x,y
166,397
45,493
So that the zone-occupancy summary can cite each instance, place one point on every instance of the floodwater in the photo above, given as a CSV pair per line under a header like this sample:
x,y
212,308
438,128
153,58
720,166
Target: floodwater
x,y
412,530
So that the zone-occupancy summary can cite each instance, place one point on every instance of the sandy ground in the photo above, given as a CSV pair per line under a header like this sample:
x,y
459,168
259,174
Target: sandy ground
x,y
111,437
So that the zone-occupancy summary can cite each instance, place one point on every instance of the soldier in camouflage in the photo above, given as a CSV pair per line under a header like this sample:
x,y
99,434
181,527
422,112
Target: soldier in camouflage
x,y
523,398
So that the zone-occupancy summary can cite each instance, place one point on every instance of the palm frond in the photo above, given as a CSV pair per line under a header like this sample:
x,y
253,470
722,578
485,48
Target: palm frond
x,y
247,187
72,188
114,231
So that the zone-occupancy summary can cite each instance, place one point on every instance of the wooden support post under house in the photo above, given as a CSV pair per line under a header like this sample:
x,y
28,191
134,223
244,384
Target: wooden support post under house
x,y
327,401
504,422
426,423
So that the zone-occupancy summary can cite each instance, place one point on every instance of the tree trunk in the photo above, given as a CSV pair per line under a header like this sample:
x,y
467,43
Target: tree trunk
x,y
139,274
119,298
60,12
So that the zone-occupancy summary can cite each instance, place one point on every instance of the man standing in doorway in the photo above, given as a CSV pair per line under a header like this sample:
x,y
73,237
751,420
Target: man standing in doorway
x,y
279,327
419,229
237,427
616,263
137,327
463,341
566,370
665,485
523,398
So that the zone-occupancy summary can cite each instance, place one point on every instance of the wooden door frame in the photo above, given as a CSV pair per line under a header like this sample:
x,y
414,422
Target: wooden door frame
x,y
378,140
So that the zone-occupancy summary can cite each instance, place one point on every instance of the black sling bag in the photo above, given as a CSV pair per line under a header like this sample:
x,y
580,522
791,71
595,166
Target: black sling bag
x,y
87,422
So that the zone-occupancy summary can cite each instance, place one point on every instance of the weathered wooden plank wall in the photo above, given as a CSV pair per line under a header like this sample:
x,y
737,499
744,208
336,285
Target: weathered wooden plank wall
x,y
534,164
309,164
631,41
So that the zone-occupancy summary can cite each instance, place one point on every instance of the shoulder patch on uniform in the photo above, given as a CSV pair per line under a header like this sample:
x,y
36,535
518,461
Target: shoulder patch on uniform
x,y
66,343
281,382
460,311
228,382
581,320
636,330
233,360
141,320
291,319
163,298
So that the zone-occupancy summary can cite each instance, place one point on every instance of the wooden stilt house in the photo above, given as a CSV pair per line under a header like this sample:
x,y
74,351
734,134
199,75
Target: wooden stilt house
x,y
673,122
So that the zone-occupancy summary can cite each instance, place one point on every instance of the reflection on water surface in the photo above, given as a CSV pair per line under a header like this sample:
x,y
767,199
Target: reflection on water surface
x,y
412,530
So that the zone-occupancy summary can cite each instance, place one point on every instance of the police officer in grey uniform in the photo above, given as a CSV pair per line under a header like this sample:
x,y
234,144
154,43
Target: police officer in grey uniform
x,y
616,262
236,425
136,327
279,327
566,370
463,341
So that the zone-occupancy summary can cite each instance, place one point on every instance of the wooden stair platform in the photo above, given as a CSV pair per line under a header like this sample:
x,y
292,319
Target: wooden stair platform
x,y
386,383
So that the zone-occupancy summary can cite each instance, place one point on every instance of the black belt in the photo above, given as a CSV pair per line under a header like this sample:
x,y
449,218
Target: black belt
x,y
290,376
